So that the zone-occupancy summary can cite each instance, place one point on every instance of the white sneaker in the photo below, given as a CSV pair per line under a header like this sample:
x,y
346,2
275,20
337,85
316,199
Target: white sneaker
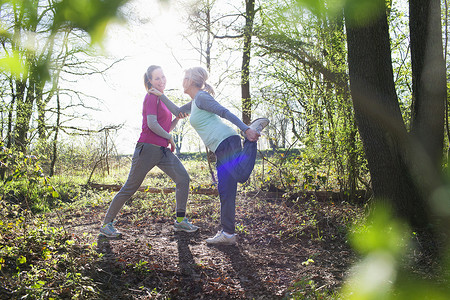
x,y
221,239
258,125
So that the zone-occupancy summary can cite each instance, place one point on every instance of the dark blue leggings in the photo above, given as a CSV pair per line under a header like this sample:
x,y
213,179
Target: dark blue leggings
x,y
234,164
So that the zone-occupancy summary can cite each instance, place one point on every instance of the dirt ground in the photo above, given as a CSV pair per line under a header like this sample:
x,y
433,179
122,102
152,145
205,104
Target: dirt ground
x,y
285,247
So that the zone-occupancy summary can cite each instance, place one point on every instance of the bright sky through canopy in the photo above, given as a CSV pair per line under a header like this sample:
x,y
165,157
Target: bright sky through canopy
x,y
151,35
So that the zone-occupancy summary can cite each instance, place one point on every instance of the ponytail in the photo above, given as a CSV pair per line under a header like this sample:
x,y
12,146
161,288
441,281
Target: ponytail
x,y
146,82
208,89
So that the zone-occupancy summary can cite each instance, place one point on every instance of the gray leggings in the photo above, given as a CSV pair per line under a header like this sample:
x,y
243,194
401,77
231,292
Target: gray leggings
x,y
145,157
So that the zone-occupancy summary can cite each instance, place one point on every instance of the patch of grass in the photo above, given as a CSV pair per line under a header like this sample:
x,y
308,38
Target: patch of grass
x,y
305,289
154,205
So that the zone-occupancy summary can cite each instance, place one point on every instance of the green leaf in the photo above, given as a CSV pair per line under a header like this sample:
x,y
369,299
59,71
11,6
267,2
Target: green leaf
x,y
89,15
38,284
10,178
12,64
356,11
381,233
22,260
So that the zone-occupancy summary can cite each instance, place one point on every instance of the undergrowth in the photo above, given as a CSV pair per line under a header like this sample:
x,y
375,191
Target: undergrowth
x,y
41,259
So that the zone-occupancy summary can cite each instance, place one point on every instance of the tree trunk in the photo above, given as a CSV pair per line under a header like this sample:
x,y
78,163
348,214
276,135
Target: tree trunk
x,y
379,119
40,105
245,76
429,102
178,139
9,133
208,37
428,77
23,115
55,140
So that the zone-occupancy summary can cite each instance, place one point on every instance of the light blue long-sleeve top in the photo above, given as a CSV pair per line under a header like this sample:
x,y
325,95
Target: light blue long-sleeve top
x,y
204,117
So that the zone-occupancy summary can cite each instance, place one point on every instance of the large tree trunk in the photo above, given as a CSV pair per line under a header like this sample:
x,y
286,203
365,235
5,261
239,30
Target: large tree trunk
x,y
379,119
428,78
429,100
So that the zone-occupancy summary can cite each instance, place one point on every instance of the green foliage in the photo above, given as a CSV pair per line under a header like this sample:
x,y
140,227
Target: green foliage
x,y
307,289
91,16
280,170
295,171
306,76
381,233
13,63
401,63
39,261
241,229
41,41
383,272
24,183
161,205
358,11
92,156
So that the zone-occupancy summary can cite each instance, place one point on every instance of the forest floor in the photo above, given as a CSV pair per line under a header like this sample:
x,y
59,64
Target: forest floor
x,y
287,248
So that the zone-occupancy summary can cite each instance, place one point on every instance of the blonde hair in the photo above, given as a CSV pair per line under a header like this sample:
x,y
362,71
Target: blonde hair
x,y
148,75
198,76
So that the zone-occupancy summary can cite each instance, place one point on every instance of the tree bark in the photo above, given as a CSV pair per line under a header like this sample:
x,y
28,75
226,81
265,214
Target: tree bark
x,y
245,71
428,78
429,94
55,139
25,100
379,119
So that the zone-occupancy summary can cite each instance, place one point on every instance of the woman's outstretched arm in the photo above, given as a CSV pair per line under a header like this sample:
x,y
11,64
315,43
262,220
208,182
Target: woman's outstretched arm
x,y
206,102
174,109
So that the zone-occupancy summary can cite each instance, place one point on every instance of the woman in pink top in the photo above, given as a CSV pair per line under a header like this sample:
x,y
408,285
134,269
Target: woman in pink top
x,y
151,150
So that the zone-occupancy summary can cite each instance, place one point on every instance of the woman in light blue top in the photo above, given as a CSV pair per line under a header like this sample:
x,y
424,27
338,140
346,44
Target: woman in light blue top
x,y
234,162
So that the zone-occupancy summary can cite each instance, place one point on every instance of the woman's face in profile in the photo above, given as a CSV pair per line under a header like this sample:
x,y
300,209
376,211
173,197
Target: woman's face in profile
x,y
186,82
158,80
